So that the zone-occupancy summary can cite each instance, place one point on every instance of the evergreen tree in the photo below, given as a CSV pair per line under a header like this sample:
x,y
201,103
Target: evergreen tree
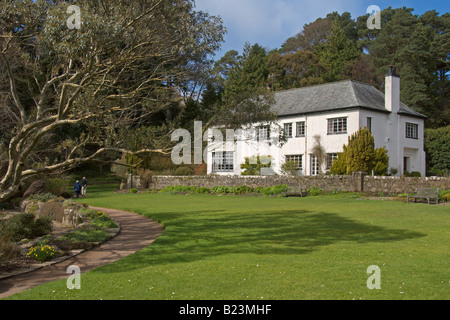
x,y
337,53
360,155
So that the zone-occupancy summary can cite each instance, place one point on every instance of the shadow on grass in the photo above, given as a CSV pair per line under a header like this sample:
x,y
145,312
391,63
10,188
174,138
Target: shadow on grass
x,y
293,232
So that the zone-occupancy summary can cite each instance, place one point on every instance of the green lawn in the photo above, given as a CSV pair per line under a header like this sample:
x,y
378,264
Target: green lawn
x,y
234,247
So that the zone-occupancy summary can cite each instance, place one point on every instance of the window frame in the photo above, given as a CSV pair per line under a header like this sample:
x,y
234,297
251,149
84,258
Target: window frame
x,y
300,127
290,130
332,157
224,163
412,130
338,125
297,158
267,135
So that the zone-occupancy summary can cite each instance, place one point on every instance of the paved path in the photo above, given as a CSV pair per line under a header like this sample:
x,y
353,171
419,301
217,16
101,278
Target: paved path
x,y
137,232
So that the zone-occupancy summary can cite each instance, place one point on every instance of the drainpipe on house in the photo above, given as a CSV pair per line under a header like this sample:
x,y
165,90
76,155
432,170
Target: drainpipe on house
x,y
306,146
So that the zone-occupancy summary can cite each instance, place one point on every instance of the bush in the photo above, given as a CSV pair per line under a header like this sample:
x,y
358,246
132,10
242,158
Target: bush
x,y
183,171
57,186
26,226
88,233
8,249
220,189
242,190
43,197
289,168
313,191
133,190
271,191
444,195
202,190
102,220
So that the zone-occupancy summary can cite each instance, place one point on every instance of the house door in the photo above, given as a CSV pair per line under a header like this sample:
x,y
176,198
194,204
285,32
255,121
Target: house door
x,y
406,165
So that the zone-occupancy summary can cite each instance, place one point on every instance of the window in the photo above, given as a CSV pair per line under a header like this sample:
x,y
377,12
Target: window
x,y
263,133
315,170
369,124
412,131
223,162
301,129
298,159
288,130
337,126
330,159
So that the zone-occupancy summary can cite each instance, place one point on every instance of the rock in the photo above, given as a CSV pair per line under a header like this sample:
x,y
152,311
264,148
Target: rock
x,y
35,188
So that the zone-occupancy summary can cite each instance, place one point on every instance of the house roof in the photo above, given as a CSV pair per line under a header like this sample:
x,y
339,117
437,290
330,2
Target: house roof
x,y
334,96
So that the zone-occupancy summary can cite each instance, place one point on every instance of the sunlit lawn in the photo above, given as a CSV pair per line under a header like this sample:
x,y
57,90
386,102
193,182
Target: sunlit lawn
x,y
235,247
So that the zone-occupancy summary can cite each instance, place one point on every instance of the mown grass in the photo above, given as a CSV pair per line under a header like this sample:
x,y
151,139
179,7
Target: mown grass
x,y
237,247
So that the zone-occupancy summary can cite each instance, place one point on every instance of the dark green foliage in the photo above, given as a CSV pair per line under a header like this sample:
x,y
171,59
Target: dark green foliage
x,y
437,147
26,226
360,155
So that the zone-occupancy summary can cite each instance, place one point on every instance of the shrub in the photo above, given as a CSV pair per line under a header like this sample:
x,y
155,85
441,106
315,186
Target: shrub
x,y
270,191
43,197
202,190
252,166
220,189
41,253
444,195
133,190
102,220
183,171
57,186
88,233
145,176
8,249
313,191
289,168
242,190
25,226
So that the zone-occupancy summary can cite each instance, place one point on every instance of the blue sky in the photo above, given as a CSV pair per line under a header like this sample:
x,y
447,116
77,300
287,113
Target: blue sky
x,y
270,22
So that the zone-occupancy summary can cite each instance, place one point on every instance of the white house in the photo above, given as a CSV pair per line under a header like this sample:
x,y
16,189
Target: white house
x,y
333,112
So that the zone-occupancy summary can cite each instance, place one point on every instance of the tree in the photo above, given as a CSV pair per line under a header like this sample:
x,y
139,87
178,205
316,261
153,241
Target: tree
x,y
360,155
250,74
437,147
337,53
117,71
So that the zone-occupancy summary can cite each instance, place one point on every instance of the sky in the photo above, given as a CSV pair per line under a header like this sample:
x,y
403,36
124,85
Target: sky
x,y
271,22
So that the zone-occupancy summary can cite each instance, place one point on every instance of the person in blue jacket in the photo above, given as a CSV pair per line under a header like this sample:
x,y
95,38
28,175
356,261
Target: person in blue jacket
x,y
77,188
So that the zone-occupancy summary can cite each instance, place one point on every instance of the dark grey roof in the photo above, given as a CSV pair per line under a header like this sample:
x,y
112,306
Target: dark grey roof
x,y
334,96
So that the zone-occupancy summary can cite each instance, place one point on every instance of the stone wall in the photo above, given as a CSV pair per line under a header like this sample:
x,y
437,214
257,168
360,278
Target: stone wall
x,y
357,182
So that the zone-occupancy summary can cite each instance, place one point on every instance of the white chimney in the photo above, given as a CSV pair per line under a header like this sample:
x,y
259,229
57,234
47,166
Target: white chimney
x,y
392,93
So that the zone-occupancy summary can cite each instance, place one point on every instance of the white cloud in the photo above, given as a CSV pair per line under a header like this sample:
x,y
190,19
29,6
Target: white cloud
x,y
270,22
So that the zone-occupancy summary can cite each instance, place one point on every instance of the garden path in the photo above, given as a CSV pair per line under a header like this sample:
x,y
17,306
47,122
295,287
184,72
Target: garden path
x,y
137,232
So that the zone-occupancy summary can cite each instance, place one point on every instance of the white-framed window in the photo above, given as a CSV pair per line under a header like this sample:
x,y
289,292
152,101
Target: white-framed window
x,y
315,170
300,129
412,131
337,126
297,159
330,159
223,161
263,133
288,130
